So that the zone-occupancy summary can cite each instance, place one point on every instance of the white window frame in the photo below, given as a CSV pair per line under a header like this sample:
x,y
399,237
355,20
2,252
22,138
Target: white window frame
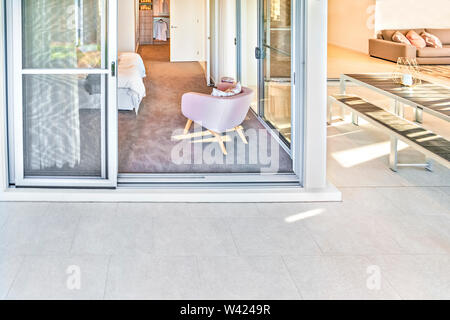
x,y
109,125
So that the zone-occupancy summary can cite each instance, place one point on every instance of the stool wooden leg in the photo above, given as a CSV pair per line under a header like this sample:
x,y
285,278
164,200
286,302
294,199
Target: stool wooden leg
x,y
220,141
188,126
241,134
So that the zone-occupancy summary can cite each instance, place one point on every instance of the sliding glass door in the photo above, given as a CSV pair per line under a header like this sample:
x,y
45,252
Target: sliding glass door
x,y
63,77
275,65
266,28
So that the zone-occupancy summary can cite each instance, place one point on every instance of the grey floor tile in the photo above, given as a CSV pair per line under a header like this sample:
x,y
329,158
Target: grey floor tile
x,y
143,277
192,236
4,213
291,210
446,190
419,234
416,276
245,278
9,267
114,232
337,277
37,229
56,277
419,200
270,236
351,234
224,210
150,209
367,201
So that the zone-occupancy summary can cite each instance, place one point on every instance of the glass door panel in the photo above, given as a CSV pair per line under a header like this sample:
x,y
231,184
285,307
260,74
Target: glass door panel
x,y
275,66
65,93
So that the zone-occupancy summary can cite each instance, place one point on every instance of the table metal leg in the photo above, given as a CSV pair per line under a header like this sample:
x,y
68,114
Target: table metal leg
x,y
355,119
329,110
429,165
343,86
401,110
396,107
419,115
393,157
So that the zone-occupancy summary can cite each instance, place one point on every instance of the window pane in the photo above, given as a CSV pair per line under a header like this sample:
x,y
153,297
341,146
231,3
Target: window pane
x,y
63,33
62,124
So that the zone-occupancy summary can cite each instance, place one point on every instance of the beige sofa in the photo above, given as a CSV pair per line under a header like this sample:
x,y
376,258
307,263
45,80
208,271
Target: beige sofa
x,y
383,47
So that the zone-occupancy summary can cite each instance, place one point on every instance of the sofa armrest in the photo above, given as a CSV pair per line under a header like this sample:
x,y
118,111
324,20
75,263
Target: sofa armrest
x,y
390,50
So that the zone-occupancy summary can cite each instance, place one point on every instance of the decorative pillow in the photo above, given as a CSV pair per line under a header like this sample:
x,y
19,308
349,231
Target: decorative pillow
x,y
400,38
431,40
416,40
231,91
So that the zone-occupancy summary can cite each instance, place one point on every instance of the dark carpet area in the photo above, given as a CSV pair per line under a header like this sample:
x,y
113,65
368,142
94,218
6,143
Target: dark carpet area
x,y
146,143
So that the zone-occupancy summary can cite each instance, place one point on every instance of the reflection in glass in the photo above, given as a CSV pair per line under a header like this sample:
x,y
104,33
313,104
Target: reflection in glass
x,y
62,124
277,67
63,33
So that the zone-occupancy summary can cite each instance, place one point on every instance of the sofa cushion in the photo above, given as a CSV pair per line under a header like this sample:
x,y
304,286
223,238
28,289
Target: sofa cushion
x,y
442,34
387,34
416,40
433,52
400,38
431,40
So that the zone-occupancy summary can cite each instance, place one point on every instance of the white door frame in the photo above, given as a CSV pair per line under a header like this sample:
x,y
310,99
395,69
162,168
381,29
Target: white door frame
x,y
208,42
109,119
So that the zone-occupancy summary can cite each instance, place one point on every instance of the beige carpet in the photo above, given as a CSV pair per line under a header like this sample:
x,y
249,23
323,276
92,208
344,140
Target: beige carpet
x,y
145,141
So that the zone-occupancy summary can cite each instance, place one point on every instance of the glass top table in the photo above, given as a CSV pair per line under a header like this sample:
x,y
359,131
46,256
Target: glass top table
x,y
426,97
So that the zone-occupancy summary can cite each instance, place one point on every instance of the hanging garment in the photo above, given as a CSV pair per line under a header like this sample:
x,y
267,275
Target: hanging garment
x,y
161,29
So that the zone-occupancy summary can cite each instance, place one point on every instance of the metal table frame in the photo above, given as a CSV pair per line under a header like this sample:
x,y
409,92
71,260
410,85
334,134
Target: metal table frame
x,y
399,102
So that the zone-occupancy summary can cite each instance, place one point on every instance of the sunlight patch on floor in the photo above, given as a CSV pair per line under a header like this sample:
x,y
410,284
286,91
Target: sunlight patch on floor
x,y
304,215
356,156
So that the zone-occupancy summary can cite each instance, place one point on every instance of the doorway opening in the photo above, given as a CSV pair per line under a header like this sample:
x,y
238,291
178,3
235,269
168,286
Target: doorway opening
x,y
156,138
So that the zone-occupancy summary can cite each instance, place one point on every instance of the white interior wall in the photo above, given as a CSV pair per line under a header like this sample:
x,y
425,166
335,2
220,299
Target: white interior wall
x,y
126,35
351,23
405,14
226,36
249,34
214,44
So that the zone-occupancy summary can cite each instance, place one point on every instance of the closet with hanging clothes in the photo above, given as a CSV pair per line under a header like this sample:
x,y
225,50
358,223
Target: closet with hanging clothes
x,y
161,21
154,21
161,31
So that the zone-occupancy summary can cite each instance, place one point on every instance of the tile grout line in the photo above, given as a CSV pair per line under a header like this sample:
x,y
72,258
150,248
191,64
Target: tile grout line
x,y
310,234
75,233
292,279
232,236
199,275
386,277
15,276
107,276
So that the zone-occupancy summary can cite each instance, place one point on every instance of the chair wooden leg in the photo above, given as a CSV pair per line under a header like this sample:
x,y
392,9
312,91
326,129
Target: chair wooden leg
x,y
220,141
188,126
240,131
